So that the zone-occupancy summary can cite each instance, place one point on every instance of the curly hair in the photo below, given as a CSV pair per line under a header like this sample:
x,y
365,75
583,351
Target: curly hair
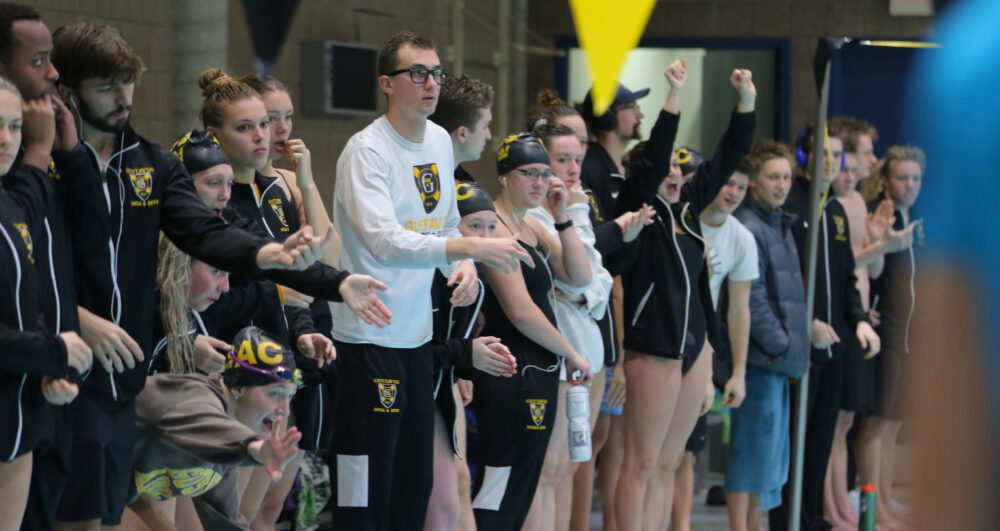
x,y
461,100
173,278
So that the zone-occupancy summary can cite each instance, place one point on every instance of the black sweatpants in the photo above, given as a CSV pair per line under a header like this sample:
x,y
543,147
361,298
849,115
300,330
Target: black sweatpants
x,y
515,418
49,469
826,381
385,437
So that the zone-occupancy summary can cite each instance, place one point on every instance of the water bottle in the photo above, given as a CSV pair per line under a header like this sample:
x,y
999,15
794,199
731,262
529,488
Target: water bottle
x,y
578,413
867,520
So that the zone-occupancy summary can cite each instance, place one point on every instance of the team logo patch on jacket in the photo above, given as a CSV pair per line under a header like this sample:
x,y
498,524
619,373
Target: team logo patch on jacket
x,y
142,182
838,222
279,210
22,228
386,395
537,408
428,184
593,205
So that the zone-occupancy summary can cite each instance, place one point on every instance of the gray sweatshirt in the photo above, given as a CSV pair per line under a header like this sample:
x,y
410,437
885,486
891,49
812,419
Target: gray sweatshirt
x,y
187,444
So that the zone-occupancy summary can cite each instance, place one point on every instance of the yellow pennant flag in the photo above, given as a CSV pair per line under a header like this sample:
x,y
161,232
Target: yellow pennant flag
x,y
608,31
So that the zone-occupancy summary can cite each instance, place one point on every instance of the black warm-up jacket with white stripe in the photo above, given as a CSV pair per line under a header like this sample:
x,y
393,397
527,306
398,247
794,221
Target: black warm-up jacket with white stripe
x,y
657,287
837,301
28,350
146,190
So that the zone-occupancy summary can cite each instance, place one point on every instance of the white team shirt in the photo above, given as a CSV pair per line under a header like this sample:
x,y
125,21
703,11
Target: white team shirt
x,y
394,208
732,251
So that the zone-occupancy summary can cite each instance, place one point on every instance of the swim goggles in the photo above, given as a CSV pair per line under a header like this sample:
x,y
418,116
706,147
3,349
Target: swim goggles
x,y
280,374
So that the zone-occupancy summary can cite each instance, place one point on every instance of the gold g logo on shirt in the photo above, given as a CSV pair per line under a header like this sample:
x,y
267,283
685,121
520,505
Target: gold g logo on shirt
x,y
428,184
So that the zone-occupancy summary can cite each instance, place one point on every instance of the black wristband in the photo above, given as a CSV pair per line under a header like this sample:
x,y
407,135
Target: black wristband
x,y
564,225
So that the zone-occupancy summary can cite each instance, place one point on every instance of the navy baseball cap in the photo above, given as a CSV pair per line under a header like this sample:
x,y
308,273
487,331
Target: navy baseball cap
x,y
623,96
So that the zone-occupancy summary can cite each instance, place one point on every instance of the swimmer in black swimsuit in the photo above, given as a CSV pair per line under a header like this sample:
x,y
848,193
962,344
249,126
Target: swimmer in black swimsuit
x,y
668,312
516,414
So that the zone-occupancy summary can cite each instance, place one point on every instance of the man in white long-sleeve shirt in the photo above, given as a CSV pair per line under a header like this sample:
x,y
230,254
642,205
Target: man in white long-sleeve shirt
x,y
394,206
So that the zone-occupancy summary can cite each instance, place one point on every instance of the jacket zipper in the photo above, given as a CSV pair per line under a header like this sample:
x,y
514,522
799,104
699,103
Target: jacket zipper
x,y
319,429
258,198
454,425
687,279
468,332
52,272
826,261
20,326
116,293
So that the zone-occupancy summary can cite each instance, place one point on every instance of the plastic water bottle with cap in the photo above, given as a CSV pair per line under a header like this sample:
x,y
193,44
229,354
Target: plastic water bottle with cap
x,y
578,413
868,501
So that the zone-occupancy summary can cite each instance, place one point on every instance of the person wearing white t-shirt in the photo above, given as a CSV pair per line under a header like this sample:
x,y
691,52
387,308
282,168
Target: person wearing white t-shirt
x,y
732,254
397,220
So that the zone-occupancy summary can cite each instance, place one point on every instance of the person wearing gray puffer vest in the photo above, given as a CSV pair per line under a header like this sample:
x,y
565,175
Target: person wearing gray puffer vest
x,y
779,342
779,329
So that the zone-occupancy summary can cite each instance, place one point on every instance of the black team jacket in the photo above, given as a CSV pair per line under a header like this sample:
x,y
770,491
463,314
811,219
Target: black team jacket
x,y
837,301
656,285
28,348
146,190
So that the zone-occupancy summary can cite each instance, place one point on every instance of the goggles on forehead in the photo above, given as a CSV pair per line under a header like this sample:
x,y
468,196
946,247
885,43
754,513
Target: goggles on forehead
x,y
279,374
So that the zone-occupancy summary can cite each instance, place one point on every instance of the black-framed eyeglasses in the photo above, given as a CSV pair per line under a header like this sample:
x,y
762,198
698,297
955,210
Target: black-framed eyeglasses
x,y
532,175
280,374
633,106
418,74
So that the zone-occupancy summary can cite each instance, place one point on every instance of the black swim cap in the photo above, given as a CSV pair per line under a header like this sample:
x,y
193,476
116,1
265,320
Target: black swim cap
x,y
472,198
199,151
519,149
258,358
689,159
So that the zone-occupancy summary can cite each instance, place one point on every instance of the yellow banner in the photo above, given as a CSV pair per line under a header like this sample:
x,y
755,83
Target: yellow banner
x,y
608,31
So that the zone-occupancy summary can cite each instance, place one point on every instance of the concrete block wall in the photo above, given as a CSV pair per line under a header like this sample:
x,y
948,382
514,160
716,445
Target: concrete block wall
x,y
801,21
177,39
369,22
148,26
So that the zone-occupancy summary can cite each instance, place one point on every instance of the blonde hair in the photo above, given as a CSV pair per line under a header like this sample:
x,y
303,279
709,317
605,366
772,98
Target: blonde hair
x,y
173,277
872,189
220,89
5,84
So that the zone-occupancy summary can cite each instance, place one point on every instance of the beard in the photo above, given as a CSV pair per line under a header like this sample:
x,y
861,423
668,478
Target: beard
x,y
636,133
101,122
